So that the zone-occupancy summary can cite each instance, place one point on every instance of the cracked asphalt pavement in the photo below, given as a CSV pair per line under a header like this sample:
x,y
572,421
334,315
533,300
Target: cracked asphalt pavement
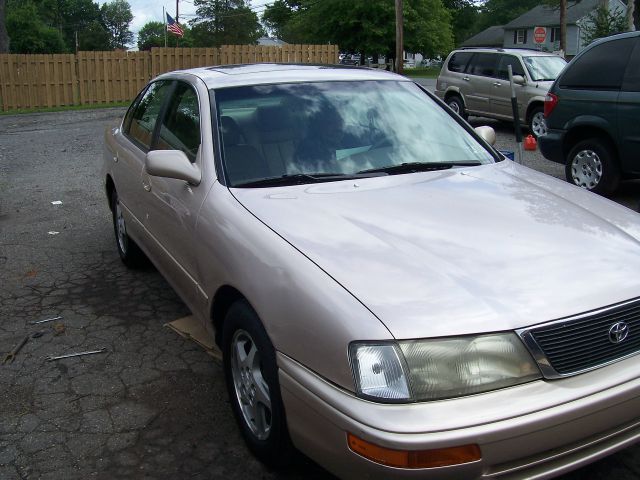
x,y
153,405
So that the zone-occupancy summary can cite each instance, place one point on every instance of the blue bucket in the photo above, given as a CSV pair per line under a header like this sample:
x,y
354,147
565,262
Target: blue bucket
x,y
508,154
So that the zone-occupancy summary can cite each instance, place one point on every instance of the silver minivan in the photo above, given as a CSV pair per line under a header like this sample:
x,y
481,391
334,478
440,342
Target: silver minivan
x,y
476,82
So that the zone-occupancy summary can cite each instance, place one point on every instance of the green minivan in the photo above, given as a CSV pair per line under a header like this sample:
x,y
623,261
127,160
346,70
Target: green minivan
x,y
592,112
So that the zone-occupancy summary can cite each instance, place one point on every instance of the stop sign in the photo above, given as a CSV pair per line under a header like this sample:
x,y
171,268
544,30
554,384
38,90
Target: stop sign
x,y
539,34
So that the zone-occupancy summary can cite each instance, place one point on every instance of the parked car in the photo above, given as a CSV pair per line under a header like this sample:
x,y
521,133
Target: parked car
x,y
593,112
350,59
476,82
391,296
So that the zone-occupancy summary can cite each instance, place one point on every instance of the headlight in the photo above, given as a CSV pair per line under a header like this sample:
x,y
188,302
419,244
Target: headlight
x,y
379,371
440,368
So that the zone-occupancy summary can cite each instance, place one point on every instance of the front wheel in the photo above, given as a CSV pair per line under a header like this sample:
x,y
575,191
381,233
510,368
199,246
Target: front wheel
x,y
591,164
455,103
537,122
252,381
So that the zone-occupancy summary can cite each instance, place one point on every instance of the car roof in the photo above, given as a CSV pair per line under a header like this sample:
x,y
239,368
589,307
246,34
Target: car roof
x,y
223,76
513,51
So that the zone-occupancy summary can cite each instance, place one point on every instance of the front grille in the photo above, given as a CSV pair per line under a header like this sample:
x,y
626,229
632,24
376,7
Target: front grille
x,y
583,343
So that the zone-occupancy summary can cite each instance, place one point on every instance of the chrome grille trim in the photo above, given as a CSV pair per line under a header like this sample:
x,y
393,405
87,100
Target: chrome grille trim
x,y
583,335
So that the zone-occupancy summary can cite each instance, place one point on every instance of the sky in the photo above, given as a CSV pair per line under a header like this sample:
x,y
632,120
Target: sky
x,y
151,10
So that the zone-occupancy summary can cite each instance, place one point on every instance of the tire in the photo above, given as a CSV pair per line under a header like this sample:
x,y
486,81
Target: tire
x,y
251,374
129,252
537,123
456,104
592,164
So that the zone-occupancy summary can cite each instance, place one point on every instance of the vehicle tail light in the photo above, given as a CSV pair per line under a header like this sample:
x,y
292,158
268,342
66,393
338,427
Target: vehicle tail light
x,y
440,457
550,103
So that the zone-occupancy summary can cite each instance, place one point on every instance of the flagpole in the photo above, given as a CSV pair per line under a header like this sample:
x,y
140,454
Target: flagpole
x,y
177,37
164,15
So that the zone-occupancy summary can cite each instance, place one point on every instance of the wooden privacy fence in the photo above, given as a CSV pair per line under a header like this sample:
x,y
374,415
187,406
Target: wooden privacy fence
x,y
36,81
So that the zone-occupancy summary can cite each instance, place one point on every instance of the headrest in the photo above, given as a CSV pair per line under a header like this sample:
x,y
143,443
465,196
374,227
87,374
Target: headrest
x,y
274,118
231,134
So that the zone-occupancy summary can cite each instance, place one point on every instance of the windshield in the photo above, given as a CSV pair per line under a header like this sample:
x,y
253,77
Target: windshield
x,y
544,68
333,130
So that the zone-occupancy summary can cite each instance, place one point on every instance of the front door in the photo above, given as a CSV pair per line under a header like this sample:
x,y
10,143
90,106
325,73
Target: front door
x,y
172,205
501,93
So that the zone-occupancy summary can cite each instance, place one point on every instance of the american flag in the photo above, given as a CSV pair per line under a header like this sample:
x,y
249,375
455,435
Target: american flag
x,y
173,26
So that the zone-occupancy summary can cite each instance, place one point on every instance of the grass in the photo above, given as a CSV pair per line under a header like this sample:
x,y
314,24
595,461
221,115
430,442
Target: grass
x,y
425,72
65,108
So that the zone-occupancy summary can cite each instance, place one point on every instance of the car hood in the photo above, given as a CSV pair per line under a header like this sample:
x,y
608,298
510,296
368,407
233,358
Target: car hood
x,y
467,250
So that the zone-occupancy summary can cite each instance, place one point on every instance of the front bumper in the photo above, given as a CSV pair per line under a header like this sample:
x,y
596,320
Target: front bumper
x,y
552,145
535,430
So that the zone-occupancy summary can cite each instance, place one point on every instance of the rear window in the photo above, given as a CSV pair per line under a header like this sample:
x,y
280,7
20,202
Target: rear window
x,y
458,61
600,68
632,79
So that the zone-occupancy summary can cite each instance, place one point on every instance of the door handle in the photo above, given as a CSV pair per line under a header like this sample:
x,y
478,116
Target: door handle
x,y
466,79
497,84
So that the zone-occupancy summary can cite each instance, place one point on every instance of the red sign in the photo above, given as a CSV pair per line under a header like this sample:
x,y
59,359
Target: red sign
x,y
539,34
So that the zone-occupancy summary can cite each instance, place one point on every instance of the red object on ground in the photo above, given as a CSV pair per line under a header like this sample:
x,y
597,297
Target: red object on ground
x,y
530,143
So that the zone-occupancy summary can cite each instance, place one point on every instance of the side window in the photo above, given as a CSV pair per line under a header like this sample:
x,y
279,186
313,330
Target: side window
x,y
632,77
143,120
504,62
600,68
126,124
483,64
458,61
180,128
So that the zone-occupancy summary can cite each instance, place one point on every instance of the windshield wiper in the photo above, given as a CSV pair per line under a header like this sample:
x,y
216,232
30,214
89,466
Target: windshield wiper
x,y
420,167
303,178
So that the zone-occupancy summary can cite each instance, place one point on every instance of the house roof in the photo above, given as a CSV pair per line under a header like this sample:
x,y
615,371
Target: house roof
x,y
545,16
491,37
269,42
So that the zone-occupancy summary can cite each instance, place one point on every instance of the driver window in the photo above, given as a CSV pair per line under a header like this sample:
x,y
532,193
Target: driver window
x,y
516,66
180,128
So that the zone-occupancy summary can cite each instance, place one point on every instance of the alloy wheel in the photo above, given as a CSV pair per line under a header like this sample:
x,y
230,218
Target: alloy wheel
x,y
121,228
250,386
539,124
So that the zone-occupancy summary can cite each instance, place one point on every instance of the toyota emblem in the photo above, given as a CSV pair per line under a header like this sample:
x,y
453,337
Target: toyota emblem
x,y
618,332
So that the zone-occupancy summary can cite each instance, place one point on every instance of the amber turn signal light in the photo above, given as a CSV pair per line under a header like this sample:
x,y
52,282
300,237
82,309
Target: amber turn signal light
x,y
439,457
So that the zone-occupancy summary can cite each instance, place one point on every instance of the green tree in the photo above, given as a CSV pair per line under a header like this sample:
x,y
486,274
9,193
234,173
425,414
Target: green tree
x,y
4,37
117,16
94,36
366,26
152,34
27,31
603,22
464,17
277,17
224,22
500,12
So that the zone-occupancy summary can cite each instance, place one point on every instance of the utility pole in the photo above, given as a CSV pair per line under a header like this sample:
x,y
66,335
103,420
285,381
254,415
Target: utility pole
x,y
399,45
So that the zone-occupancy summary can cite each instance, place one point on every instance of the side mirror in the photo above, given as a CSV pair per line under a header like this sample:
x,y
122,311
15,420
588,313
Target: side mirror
x,y
172,164
487,133
519,80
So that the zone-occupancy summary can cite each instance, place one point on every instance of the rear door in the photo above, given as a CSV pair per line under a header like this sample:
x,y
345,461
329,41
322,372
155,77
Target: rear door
x,y
133,143
629,113
480,76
